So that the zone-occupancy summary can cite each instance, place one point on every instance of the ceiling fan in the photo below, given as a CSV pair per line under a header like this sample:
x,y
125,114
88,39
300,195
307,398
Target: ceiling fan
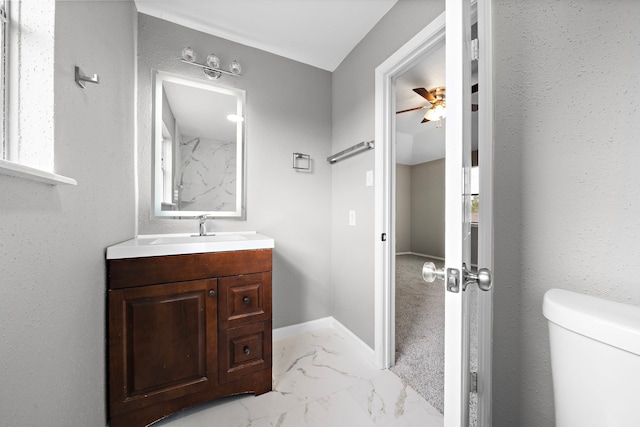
x,y
438,108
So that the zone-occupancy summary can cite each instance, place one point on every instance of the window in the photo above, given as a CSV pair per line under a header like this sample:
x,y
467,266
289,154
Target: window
x,y
475,194
167,170
27,91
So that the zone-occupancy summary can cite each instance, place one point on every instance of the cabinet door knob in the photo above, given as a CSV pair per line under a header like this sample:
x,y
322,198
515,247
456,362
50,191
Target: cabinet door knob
x,y
246,300
246,351
212,293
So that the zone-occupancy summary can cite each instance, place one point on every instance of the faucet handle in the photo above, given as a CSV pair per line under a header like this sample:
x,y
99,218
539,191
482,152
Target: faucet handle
x,y
203,228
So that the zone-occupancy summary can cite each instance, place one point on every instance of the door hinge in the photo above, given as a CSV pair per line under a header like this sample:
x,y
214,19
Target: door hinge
x,y
473,382
475,50
383,237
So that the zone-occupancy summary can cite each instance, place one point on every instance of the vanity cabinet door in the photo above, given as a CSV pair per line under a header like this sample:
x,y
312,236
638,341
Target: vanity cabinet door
x,y
163,344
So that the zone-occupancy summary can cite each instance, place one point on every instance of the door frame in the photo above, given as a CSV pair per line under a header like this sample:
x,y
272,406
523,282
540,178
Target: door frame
x,y
385,178
431,37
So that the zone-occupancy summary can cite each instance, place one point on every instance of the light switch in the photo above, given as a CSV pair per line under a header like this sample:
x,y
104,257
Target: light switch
x,y
369,178
352,217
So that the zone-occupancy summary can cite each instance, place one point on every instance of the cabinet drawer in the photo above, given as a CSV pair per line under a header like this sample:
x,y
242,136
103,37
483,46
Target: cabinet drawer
x,y
244,299
244,350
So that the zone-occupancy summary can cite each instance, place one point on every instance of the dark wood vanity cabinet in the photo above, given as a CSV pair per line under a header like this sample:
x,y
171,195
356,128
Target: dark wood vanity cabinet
x,y
184,329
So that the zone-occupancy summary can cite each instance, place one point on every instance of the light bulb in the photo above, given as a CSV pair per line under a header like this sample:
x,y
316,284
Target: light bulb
x,y
235,67
437,112
188,54
213,61
235,118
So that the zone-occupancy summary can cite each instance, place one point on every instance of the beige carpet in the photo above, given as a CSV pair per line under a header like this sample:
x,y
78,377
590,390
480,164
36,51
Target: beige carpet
x,y
420,331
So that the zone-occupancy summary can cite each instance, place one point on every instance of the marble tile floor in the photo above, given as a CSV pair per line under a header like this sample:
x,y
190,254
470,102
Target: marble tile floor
x,y
318,381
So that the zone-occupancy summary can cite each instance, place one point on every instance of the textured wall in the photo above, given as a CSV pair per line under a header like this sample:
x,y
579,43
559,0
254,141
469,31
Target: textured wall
x,y
288,110
403,208
52,239
427,208
352,247
567,197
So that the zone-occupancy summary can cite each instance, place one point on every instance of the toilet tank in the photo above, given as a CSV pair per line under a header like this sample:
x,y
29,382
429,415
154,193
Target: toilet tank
x,y
595,360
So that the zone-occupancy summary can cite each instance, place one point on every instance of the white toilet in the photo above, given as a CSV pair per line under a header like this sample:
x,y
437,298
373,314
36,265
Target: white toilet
x,y
595,360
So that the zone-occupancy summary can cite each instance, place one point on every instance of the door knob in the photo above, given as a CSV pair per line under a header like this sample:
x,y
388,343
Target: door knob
x,y
452,278
482,278
430,273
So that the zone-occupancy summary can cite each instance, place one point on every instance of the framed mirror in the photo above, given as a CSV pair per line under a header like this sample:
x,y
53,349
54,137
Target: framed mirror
x,y
198,148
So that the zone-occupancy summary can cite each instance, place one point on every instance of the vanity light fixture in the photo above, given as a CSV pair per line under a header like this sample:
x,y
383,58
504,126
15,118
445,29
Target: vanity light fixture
x,y
212,68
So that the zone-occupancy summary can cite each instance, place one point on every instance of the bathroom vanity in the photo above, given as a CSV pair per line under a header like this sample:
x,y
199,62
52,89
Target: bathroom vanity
x,y
189,320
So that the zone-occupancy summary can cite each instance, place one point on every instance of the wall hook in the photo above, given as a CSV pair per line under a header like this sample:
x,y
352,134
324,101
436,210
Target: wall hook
x,y
81,78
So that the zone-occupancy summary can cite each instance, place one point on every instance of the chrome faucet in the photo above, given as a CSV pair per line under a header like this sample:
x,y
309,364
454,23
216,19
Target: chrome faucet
x,y
203,225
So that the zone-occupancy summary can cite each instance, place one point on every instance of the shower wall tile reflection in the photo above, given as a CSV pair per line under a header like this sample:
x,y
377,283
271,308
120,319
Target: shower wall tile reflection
x,y
206,175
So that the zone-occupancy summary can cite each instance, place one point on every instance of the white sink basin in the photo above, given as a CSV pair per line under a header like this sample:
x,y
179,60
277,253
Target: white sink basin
x,y
197,239
178,244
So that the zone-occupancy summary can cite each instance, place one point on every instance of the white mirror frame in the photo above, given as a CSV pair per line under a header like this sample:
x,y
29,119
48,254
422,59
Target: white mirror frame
x,y
156,136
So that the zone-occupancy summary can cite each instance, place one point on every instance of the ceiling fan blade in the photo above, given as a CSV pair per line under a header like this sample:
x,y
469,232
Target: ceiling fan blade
x,y
474,107
425,94
474,88
411,109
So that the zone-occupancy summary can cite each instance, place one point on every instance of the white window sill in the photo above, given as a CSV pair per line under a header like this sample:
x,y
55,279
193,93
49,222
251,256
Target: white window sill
x,y
33,174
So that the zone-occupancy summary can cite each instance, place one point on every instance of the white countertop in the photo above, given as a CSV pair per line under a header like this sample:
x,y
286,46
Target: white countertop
x,y
184,243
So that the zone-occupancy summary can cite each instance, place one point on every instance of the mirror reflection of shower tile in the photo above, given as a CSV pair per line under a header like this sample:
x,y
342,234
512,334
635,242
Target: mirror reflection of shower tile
x,y
207,174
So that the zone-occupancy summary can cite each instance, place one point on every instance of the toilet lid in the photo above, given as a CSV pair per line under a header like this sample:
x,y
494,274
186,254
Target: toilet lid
x,y
609,322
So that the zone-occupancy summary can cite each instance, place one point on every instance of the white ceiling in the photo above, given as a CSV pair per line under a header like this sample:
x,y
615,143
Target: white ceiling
x,y
202,113
320,33
419,142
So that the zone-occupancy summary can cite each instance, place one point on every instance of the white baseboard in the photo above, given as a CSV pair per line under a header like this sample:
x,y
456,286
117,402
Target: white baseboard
x,y
420,255
427,256
301,328
325,323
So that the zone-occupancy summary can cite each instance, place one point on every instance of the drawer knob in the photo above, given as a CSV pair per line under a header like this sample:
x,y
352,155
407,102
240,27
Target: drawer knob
x,y
246,300
246,351
212,293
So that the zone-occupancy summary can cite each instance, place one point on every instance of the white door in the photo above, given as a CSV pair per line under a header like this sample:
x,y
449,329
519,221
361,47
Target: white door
x,y
456,23
457,211
458,278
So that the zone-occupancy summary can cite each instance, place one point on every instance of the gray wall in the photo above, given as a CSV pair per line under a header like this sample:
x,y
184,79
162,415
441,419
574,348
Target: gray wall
x,y
420,216
288,110
567,198
352,247
52,239
427,208
566,193
403,208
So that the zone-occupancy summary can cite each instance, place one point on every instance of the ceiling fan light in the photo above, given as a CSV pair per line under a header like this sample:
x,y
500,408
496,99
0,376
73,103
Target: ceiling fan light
x,y
437,112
